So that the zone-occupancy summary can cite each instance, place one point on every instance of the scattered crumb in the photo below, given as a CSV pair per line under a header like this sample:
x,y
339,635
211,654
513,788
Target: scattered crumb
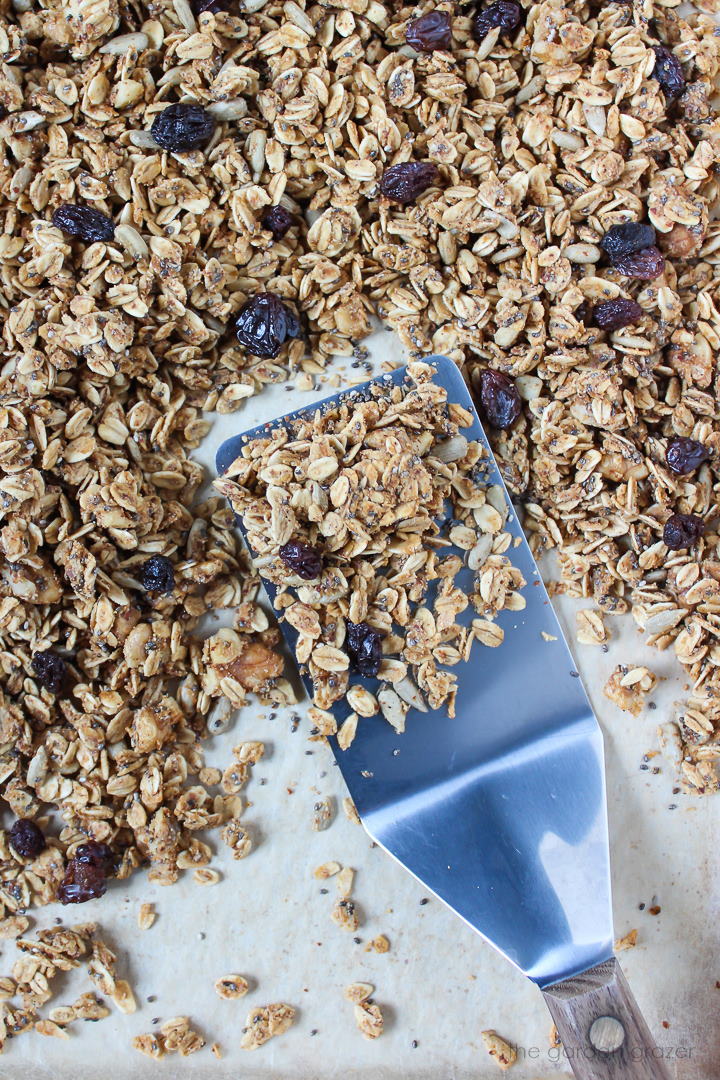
x,y
345,915
215,1050
350,811
231,986
591,628
49,1027
379,944
205,876
344,881
265,1023
502,1053
146,916
628,687
554,1037
359,992
326,870
629,941
369,1020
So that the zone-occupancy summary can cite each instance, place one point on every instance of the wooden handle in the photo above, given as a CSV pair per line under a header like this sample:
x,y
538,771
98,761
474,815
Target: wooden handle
x,y
601,1028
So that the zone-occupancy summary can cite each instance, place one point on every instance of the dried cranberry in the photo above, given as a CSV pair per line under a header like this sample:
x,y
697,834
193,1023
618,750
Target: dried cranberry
x,y
50,670
264,325
430,32
407,180
624,239
82,882
303,559
90,225
644,265
684,455
499,398
182,127
613,314
278,220
26,838
682,531
98,854
158,575
503,13
668,72
364,647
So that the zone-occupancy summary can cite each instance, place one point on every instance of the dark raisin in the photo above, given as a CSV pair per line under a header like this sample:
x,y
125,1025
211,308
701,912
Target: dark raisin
x,y
26,838
644,265
684,455
682,531
90,225
82,882
265,323
98,854
613,314
364,647
303,559
407,180
503,13
430,32
668,72
50,670
216,6
158,575
499,398
278,220
182,127
624,239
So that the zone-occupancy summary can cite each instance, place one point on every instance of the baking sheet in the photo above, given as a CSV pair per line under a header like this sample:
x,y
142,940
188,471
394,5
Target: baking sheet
x,y
440,985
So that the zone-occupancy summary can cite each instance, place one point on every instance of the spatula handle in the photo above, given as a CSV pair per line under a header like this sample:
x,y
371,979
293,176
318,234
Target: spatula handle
x,y
602,1029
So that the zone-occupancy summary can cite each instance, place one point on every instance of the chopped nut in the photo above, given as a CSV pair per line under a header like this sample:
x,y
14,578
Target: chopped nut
x,y
350,812
326,870
379,944
344,881
591,629
323,814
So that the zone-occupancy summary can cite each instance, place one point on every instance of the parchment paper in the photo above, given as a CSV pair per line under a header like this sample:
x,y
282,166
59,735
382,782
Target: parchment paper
x,y
440,985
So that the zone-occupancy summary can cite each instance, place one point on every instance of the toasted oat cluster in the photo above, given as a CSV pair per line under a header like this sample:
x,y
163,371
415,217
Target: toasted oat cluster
x,y
356,513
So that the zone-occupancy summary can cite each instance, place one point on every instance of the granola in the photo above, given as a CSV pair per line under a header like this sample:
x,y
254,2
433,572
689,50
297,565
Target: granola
x,y
265,1023
342,509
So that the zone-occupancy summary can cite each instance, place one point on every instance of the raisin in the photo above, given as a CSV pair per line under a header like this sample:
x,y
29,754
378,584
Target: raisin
x,y
626,238
613,314
503,13
98,854
264,325
90,225
182,127
216,6
303,559
158,575
430,32
26,838
50,670
644,265
278,220
82,882
499,398
682,531
684,455
668,72
364,647
407,180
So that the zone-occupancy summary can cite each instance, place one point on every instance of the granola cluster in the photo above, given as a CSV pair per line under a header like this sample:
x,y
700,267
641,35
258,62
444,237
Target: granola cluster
x,y
383,490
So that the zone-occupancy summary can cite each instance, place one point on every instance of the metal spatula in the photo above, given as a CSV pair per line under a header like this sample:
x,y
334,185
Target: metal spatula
x,y
501,811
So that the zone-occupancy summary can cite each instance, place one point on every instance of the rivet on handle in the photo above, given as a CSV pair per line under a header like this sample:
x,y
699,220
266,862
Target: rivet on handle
x,y
606,1034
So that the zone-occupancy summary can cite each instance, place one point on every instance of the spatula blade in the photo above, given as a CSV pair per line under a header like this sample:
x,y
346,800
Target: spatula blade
x,y
501,810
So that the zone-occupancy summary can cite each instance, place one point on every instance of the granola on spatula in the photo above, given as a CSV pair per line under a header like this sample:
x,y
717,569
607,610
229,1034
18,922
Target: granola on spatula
x,y
362,514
